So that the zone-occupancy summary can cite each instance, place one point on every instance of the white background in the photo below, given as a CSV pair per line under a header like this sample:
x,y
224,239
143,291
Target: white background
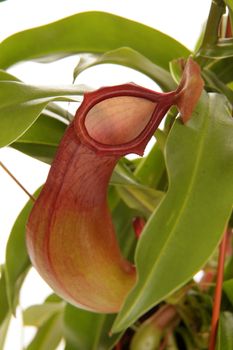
x,y
182,19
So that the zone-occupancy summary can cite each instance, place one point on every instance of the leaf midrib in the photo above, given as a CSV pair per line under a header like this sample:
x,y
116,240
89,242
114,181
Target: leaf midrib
x,y
38,143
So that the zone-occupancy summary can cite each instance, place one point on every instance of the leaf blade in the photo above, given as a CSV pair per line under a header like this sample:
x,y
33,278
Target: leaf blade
x,y
189,167
21,105
63,38
224,336
86,330
49,334
130,58
16,250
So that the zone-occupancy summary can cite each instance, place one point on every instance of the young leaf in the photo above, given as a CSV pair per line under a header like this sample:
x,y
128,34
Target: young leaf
x,y
81,33
17,260
186,228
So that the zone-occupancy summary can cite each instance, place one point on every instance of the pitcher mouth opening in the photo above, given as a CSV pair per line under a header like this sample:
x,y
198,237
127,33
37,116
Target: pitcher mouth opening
x,y
121,119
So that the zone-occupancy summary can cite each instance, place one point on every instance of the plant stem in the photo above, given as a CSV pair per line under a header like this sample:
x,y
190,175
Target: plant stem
x,y
211,33
218,292
118,346
18,183
138,225
217,9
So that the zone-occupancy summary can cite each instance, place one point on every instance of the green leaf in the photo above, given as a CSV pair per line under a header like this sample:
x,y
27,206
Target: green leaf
x,y
4,306
228,289
21,105
40,141
224,336
217,85
122,217
180,237
17,260
211,32
48,335
136,196
151,168
222,49
52,108
3,331
82,32
223,69
143,199
128,57
228,270
88,330
5,315
37,315
176,69
229,3
7,76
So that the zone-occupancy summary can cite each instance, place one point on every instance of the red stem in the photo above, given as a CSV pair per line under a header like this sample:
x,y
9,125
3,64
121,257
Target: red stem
x,y
218,292
138,225
118,346
165,341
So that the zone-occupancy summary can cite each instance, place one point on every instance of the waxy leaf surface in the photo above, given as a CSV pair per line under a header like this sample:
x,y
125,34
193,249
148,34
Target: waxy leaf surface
x,y
94,32
186,228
